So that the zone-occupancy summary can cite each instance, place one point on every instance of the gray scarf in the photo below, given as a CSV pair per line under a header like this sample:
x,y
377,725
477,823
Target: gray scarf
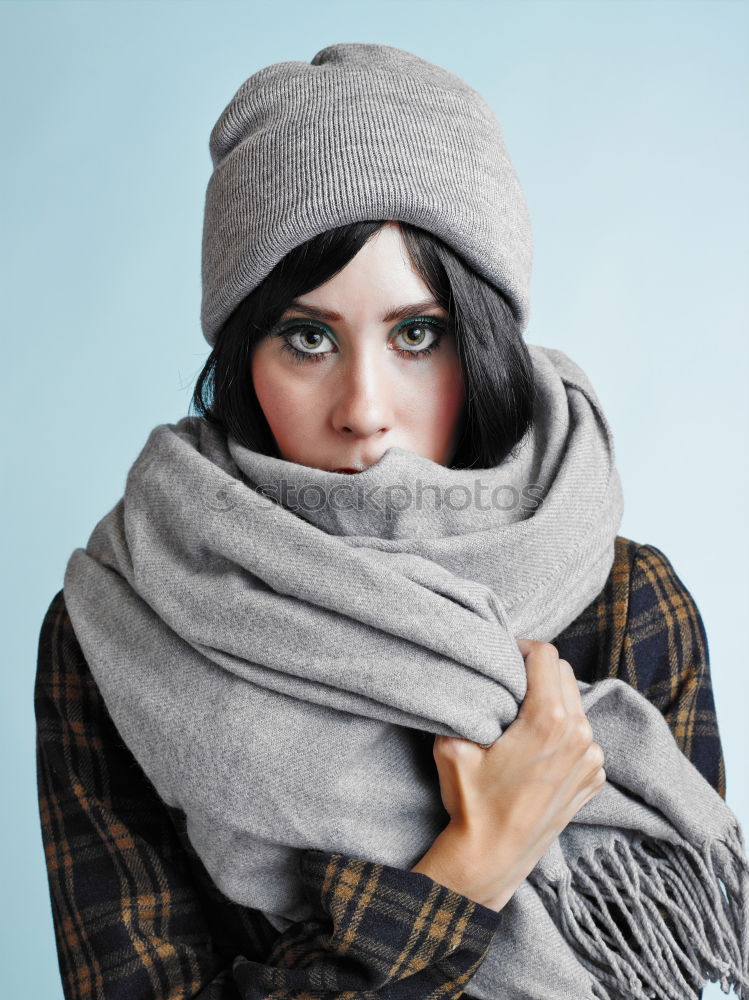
x,y
277,644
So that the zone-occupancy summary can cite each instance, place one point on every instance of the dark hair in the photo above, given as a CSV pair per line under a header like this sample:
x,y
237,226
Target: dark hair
x,y
496,365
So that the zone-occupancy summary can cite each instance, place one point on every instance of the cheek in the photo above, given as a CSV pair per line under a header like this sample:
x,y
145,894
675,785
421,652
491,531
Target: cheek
x,y
262,379
269,384
447,395
454,390
434,422
285,400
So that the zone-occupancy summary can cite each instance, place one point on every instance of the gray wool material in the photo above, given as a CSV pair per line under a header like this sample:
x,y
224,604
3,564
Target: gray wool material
x,y
361,132
278,644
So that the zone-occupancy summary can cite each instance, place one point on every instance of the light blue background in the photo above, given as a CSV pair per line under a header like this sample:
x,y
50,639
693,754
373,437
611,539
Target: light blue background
x,y
628,125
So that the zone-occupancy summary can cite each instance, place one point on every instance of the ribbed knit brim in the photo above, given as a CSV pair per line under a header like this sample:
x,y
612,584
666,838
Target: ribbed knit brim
x,y
363,132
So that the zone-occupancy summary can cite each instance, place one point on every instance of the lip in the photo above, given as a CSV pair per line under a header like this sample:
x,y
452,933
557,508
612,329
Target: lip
x,y
362,465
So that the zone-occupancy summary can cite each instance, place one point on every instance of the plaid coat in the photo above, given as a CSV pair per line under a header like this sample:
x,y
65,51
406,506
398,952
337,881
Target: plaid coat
x,y
137,916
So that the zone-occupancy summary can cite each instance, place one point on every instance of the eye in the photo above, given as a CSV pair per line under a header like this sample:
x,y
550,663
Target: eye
x,y
421,337
308,338
306,342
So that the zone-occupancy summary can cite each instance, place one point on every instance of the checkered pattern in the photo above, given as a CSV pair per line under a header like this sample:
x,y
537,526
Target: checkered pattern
x,y
137,916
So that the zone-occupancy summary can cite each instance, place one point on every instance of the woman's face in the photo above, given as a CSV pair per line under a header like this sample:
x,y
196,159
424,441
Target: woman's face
x,y
353,374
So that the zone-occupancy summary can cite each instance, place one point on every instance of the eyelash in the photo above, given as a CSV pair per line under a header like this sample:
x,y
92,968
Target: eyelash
x,y
302,357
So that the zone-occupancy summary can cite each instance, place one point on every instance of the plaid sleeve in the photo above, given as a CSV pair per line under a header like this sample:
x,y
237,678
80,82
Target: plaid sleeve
x,y
136,915
124,912
379,932
665,656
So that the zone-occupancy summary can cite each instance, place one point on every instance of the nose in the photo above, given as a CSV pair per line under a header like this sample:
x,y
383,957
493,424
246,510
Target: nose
x,y
363,403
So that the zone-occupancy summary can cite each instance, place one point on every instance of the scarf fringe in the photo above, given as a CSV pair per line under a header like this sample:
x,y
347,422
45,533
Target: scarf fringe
x,y
684,911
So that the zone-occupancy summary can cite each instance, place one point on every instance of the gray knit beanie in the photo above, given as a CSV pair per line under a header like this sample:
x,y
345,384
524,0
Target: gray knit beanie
x,y
363,132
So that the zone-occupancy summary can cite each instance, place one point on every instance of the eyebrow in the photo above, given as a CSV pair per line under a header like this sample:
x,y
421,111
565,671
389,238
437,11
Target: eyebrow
x,y
399,312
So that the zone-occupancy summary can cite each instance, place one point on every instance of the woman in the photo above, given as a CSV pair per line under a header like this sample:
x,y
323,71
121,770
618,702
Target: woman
x,y
348,351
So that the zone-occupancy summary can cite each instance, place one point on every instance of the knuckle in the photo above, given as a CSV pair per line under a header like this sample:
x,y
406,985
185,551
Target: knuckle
x,y
451,748
552,720
597,780
534,643
556,713
582,731
549,650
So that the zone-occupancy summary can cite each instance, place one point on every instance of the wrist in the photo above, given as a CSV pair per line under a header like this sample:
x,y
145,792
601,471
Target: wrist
x,y
459,862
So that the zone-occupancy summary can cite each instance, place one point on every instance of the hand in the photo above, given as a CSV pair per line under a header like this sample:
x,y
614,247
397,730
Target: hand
x,y
508,803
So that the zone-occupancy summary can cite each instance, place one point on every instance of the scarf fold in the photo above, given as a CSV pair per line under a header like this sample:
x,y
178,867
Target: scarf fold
x,y
278,644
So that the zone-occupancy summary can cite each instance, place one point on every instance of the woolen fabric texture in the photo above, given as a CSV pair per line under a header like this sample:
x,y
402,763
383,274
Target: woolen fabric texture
x,y
361,132
277,645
